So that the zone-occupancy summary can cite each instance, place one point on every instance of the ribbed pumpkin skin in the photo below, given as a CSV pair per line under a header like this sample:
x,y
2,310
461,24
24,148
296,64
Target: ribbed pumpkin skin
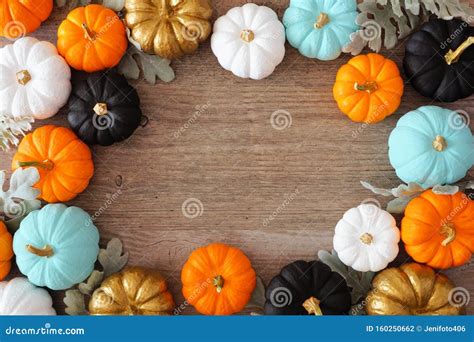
x,y
72,162
104,51
19,297
423,234
301,280
123,108
426,67
18,17
73,241
362,105
415,159
218,259
6,251
411,289
133,291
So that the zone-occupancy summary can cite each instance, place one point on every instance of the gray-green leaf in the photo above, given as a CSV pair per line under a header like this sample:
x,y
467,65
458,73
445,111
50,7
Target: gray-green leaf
x,y
152,67
445,189
75,303
92,283
111,258
359,282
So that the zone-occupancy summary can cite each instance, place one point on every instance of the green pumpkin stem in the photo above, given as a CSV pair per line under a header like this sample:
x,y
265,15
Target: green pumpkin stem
x,y
368,87
453,56
45,164
312,306
218,282
322,20
46,251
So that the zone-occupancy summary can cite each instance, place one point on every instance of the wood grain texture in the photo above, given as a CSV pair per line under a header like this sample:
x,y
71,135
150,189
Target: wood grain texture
x,y
277,194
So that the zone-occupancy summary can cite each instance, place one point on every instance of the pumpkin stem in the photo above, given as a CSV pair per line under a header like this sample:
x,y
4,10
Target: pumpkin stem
x,y
100,108
45,164
369,87
247,35
453,56
88,33
46,251
312,306
23,77
218,282
449,232
366,238
439,143
322,20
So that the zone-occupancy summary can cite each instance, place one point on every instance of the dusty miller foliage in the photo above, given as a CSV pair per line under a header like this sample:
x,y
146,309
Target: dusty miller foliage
x,y
112,259
12,130
385,22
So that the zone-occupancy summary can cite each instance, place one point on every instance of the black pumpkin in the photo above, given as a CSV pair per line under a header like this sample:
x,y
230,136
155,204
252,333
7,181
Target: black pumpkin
x,y
439,60
103,108
303,288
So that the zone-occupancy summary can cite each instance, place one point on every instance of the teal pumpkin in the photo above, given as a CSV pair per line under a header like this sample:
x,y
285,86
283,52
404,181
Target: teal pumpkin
x,y
56,246
320,28
431,145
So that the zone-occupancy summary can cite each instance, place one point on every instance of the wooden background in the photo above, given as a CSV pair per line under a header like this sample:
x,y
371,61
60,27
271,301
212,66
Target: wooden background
x,y
230,158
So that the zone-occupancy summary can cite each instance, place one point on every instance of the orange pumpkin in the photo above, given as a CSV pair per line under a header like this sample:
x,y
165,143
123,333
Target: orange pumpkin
x,y
439,229
64,162
92,38
368,88
19,17
6,251
218,279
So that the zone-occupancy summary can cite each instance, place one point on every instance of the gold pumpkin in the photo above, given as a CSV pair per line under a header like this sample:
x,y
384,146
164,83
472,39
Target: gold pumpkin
x,y
134,291
168,28
412,289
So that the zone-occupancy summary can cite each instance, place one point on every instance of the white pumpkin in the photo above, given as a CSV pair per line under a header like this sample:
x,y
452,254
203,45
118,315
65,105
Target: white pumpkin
x,y
34,79
20,297
366,238
249,41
